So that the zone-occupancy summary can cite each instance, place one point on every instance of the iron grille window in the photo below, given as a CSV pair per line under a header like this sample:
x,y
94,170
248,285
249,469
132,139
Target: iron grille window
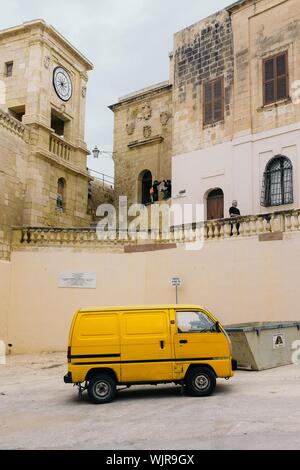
x,y
278,183
276,78
213,101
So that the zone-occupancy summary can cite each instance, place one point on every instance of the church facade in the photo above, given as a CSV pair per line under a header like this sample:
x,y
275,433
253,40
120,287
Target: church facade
x,y
43,174
234,122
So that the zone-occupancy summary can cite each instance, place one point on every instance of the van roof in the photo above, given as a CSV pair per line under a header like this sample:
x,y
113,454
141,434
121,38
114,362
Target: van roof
x,y
140,307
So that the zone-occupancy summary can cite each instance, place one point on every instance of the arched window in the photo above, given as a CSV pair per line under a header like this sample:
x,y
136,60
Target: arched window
x,y
145,182
60,199
215,204
277,187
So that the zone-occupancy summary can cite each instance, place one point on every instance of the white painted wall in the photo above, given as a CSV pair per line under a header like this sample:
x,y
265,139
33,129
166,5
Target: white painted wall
x,y
5,279
240,280
237,168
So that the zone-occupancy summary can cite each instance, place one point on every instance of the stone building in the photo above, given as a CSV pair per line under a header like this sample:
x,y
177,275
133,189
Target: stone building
x,y
235,103
43,175
142,141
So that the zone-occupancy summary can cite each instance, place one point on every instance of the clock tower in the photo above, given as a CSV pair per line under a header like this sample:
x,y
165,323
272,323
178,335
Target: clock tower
x,y
43,86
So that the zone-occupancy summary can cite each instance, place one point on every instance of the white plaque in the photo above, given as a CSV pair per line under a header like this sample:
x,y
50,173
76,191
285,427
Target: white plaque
x,y
77,280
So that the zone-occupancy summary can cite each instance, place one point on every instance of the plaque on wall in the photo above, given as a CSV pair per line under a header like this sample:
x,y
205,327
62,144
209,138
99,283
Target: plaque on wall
x,y
77,281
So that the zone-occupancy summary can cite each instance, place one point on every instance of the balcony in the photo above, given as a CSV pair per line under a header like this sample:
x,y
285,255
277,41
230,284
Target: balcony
x,y
59,147
265,227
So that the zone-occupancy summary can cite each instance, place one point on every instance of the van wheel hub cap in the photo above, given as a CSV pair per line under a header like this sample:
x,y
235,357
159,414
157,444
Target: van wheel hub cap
x,y
201,382
102,389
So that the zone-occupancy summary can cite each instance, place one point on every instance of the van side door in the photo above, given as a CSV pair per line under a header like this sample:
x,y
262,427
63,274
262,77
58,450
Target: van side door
x,y
197,337
146,349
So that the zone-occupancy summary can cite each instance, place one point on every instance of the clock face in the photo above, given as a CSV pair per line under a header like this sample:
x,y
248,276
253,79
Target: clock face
x,y
62,83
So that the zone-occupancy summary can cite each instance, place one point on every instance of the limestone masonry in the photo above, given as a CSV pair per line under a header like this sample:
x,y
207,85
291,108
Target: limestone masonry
x,y
42,148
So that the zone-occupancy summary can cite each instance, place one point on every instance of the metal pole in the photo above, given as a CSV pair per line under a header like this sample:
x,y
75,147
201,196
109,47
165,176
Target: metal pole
x,y
176,295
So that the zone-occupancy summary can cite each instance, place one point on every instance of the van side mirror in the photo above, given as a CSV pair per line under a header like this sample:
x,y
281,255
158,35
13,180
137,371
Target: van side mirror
x,y
217,327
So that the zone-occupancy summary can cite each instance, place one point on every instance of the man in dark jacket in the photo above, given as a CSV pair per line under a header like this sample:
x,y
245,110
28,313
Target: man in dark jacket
x,y
234,212
155,186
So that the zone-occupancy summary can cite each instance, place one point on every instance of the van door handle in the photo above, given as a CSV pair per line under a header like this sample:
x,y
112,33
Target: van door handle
x,y
162,345
183,341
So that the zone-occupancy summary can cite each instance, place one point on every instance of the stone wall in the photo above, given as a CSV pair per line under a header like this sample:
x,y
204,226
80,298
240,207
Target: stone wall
x,y
239,280
13,167
142,139
261,30
102,193
202,52
32,156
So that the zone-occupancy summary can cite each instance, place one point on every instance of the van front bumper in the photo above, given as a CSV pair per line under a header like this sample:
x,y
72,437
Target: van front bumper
x,y
234,364
68,378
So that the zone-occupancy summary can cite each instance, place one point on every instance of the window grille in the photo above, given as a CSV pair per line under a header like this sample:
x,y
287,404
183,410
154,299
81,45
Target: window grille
x,y
277,188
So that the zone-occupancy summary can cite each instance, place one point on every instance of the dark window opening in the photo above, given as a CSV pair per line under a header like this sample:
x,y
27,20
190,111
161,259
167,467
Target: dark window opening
x,y
8,69
60,199
146,185
17,112
57,125
276,78
277,187
214,101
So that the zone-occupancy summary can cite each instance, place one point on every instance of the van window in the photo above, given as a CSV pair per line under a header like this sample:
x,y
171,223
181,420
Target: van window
x,y
194,322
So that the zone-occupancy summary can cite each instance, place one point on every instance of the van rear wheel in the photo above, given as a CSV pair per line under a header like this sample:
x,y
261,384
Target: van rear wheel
x,y
200,382
102,389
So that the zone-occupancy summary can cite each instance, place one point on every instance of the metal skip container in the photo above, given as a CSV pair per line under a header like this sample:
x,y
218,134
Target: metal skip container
x,y
260,346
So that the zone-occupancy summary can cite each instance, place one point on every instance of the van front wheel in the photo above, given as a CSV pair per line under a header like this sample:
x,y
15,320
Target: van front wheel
x,y
102,389
200,382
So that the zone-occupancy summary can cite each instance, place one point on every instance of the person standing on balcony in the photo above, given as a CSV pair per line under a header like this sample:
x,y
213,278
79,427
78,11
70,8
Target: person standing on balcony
x,y
234,212
155,187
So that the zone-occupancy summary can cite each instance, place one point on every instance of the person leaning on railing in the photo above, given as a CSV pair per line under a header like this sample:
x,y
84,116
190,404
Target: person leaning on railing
x,y
234,212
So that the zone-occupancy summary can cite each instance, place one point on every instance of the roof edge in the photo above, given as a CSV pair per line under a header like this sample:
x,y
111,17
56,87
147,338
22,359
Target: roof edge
x,y
236,5
162,86
53,32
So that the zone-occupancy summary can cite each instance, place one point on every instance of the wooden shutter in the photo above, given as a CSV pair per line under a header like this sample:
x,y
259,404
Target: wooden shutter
x,y
214,101
275,71
208,103
281,76
218,107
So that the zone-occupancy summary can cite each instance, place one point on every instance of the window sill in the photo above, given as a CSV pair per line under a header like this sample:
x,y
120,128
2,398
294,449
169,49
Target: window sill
x,y
270,106
213,124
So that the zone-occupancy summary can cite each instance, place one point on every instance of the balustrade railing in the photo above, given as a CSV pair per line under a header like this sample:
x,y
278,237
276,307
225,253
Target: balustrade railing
x,y
221,229
12,124
60,147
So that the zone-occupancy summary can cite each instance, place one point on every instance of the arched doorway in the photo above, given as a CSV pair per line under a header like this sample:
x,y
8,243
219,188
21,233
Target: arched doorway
x,y
145,181
215,204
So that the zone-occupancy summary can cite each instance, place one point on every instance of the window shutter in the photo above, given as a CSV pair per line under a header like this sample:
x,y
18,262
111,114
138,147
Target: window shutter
x,y
213,101
218,100
275,71
208,103
269,81
281,69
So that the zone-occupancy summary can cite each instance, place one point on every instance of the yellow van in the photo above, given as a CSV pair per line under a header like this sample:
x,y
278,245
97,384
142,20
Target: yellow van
x,y
183,344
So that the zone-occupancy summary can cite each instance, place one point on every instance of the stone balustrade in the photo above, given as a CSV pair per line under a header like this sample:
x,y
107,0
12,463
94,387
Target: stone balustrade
x,y
60,147
12,124
213,230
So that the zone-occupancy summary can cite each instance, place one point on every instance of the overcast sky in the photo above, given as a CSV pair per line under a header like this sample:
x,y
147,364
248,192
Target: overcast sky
x,y
128,42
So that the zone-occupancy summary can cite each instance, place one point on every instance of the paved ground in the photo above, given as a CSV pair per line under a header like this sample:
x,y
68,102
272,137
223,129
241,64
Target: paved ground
x,y
254,410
